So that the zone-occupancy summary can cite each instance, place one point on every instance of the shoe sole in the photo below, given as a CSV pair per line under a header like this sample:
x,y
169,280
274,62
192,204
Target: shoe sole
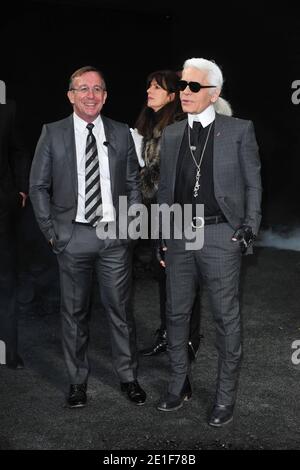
x,y
137,404
170,409
81,405
186,398
223,424
134,402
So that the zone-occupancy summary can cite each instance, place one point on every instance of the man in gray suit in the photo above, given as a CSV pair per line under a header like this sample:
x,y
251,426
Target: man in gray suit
x,y
82,165
213,160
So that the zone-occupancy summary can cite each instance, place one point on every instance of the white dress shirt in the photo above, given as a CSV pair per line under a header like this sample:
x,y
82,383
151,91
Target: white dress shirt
x,y
206,117
138,142
81,133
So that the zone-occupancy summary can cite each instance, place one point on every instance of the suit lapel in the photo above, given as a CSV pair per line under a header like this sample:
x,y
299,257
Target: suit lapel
x,y
218,147
70,147
111,150
175,153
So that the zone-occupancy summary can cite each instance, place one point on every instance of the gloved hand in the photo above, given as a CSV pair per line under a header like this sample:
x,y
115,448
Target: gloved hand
x,y
160,250
244,236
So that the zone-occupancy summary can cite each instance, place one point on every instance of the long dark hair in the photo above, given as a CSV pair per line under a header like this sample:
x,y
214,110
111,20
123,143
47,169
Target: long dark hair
x,y
148,119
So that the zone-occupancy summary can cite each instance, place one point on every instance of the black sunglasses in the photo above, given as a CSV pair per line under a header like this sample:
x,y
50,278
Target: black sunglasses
x,y
193,86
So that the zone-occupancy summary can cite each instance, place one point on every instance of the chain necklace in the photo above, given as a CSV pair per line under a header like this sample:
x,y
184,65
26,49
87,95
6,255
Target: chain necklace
x,y
198,165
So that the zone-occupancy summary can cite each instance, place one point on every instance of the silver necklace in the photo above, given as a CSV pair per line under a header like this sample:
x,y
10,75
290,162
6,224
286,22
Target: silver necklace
x,y
198,165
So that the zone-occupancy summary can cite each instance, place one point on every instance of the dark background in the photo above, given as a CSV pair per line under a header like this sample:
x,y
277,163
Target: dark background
x,y
257,47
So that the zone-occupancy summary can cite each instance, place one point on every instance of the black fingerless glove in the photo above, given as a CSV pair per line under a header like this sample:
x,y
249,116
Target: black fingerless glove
x,y
244,236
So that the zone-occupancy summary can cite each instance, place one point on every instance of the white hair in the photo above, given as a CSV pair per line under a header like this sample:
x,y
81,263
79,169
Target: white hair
x,y
215,77
214,74
223,107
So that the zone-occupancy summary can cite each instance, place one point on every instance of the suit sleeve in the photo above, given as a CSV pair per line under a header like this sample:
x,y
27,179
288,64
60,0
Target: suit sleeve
x,y
132,177
40,184
251,168
163,189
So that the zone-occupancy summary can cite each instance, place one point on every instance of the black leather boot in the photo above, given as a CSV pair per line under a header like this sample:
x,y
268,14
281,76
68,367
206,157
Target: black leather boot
x,y
171,402
221,415
159,346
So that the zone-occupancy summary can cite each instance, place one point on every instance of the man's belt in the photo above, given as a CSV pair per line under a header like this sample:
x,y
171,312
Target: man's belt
x,y
215,219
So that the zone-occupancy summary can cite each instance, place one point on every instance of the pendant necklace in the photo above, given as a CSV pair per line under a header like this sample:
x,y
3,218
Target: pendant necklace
x,y
198,165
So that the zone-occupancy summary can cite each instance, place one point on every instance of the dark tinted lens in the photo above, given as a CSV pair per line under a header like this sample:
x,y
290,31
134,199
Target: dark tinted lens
x,y
194,87
182,84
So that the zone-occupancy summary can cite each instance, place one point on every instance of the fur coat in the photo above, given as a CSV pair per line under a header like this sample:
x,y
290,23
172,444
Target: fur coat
x,y
150,172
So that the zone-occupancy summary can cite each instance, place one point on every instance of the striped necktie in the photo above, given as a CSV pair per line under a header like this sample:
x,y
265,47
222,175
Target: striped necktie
x,y
92,178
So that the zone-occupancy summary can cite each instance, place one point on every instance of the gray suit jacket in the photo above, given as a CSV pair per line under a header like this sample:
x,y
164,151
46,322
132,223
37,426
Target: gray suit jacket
x,y
237,179
53,178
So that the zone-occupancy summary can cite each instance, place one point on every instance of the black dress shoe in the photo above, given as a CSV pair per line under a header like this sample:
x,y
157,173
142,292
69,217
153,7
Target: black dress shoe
x,y
173,402
17,363
221,415
134,392
77,396
159,346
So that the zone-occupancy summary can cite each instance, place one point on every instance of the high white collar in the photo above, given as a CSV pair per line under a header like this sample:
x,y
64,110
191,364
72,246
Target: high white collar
x,y
206,117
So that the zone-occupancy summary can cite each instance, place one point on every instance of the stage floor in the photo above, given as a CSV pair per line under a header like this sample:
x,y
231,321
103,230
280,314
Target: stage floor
x,y
267,412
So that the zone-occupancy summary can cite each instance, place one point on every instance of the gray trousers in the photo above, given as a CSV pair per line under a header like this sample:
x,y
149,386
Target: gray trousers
x,y
218,265
112,263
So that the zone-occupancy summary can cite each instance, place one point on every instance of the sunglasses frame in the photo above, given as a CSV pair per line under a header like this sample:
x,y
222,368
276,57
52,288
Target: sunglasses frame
x,y
194,87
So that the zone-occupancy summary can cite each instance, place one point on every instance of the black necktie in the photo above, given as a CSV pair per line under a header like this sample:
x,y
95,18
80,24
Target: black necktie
x,y
195,134
197,126
92,178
